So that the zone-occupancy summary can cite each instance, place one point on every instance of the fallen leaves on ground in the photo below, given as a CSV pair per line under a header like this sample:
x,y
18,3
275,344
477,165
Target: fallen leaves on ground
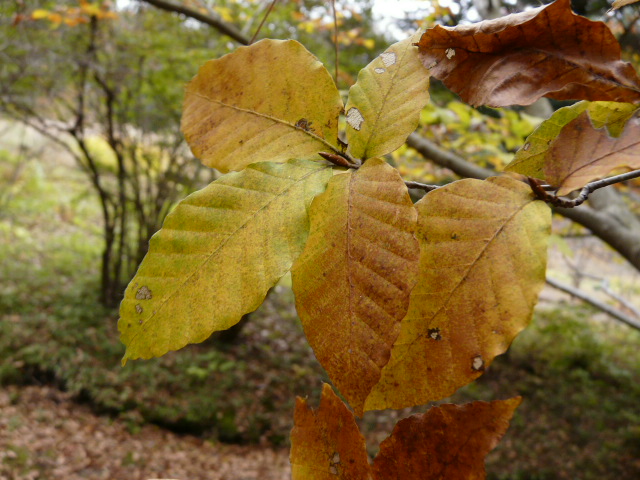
x,y
44,435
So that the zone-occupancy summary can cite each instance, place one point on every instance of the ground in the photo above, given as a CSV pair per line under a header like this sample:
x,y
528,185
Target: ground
x,y
45,435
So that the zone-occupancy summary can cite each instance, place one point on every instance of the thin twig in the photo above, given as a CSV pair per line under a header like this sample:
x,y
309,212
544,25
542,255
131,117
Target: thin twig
x,y
264,19
335,35
618,315
584,193
421,186
223,27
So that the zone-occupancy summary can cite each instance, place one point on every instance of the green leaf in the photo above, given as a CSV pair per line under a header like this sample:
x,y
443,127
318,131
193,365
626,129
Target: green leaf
x,y
384,105
483,251
217,255
272,100
531,158
353,280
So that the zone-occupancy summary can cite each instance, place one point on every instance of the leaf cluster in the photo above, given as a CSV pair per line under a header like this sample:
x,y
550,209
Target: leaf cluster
x,y
402,303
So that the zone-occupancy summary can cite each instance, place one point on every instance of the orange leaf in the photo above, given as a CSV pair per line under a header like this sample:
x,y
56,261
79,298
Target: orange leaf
x,y
326,444
353,280
482,263
448,442
515,60
581,153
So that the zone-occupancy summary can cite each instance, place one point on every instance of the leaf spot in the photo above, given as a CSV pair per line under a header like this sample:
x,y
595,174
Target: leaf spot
x,y
333,470
355,118
379,70
450,52
434,334
139,308
336,458
144,293
388,58
478,363
432,64
140,321
526,146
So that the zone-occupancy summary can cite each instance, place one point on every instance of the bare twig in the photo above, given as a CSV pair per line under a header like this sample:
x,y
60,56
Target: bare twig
x,y
618,315
264,19
218,24
584,193
421,186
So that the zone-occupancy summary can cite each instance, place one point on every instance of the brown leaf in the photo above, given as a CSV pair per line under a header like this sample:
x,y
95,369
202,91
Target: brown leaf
x,y
326,443
515,60
353,280
582,153
448,442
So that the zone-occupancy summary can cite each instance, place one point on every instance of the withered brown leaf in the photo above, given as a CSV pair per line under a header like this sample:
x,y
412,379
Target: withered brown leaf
x,y
515,60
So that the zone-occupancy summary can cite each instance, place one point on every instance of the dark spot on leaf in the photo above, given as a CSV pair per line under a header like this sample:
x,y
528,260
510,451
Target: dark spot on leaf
x,y
434,334
454,236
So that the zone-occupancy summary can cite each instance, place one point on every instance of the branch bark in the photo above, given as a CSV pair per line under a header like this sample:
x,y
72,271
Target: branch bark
x,y
220,25
609,310
621,238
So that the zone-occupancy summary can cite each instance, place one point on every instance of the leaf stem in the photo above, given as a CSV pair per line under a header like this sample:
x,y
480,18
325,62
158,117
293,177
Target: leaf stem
x,y
421,186
556,201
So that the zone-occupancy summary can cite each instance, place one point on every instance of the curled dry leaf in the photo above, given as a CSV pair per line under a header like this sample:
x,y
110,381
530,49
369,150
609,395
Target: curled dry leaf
x,y
582,153
388,97
516,59
326,444
218,253
271,101
482,264
531,157
353,280
448,442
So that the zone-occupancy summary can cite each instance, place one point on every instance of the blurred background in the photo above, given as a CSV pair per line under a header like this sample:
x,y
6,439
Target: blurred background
x,y
92,160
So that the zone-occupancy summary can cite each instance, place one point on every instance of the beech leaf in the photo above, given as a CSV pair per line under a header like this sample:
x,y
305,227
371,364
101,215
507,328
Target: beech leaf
x,y
482,264
447,442
530,159
514,60
326,444
581,153
271,101
353,280
384,104
217,254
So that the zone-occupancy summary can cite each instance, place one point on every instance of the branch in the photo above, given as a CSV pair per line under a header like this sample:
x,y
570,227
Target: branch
x,y
618,315
605,227
220,25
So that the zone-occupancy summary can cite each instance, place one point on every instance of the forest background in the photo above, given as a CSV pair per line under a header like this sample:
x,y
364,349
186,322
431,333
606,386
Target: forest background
x,y
92,159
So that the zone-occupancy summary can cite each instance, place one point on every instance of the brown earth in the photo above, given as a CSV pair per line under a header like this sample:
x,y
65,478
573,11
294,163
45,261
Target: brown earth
x,y
44,435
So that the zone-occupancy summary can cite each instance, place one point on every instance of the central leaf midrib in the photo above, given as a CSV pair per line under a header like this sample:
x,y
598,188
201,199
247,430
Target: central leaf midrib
x,y
269,117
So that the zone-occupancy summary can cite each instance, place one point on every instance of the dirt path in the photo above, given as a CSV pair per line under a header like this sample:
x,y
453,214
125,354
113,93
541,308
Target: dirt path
x,y
44,435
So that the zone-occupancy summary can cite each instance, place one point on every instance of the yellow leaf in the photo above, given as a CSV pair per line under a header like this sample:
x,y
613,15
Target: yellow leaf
x,y
384,104
482,265
40,14
217,254
621,3
272,100
353,280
